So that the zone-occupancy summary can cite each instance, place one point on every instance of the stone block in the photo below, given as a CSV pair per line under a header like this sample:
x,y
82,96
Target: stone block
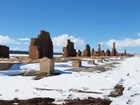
x,y
76,63
47,65
5,66
101,60
91,62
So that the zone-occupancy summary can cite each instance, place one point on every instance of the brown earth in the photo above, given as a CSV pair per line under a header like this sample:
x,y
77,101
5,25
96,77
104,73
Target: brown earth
x,y
100,68
118,91
49,101
89,101
34,101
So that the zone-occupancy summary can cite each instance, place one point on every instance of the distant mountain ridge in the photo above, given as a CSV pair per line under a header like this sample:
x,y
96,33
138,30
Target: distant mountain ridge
x,y
19,52
27,52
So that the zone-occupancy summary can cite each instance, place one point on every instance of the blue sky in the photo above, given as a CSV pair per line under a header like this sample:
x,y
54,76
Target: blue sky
x,y
84,21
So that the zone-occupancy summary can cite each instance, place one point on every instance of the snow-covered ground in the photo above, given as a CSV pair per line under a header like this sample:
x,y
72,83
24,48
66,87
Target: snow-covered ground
x,y
24,55
65,86
15,55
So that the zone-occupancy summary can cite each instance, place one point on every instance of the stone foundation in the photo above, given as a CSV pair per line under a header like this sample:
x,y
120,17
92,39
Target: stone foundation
x,y
100,60
5,66
47,65
76,63
91,62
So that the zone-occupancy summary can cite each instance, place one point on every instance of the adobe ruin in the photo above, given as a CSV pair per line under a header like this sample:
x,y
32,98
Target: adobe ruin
x,y
102,53
42,46
114,51
87,51
99,49
4,51
69,50
79,53
125,53
107,52
92,52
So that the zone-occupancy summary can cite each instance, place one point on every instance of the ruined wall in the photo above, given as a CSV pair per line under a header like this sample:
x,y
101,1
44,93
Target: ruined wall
x,y
107,52
99,49
79,53
102,53
41,46
4,51
125,53
34,50
87,51
114,52
96,53
69,50
92,52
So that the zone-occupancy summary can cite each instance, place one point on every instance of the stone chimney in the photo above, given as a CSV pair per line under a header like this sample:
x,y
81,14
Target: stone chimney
x,y
114,52
99,49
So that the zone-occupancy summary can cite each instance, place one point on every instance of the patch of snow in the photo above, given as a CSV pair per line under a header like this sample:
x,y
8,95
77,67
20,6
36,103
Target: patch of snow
x,y
57,55
18,55
18,69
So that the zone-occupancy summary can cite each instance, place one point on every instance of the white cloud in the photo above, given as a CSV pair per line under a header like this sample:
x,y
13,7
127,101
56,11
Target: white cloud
x,y
138,34
26,43
58,50
8,40
128,42
15,49
23,39
61,41
18,49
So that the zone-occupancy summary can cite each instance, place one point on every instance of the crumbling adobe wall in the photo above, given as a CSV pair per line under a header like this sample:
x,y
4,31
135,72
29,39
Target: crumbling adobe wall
x,y
87,52
41,46
69,50
4,51
114,51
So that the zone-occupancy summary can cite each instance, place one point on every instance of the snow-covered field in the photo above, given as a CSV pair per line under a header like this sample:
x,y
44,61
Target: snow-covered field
x,y
15,55
65,86
24,55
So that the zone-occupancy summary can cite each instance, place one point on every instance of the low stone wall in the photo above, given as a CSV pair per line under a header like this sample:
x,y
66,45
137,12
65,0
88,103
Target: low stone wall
x,y
47,65
5,66
91,62
76,63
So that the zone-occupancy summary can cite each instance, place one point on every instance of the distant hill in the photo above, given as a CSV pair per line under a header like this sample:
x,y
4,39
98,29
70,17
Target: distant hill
x,y
27,52
19,52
